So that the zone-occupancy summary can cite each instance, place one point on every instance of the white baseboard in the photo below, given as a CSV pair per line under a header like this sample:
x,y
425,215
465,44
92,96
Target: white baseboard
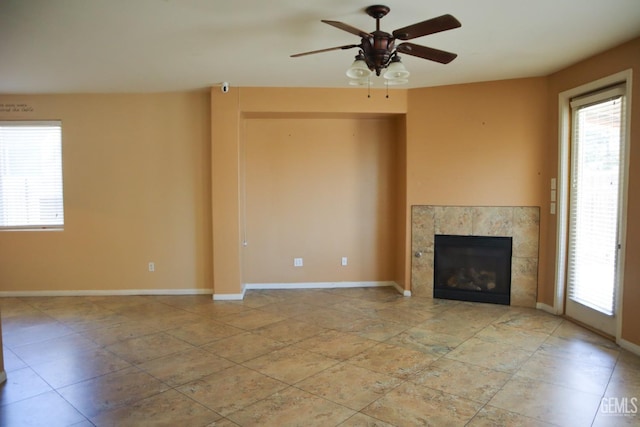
x,y
228,297
627,345
115,292
317,285
545,307
306,285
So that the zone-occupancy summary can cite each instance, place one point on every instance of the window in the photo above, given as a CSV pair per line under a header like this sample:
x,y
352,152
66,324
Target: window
x,y
31,174
597,169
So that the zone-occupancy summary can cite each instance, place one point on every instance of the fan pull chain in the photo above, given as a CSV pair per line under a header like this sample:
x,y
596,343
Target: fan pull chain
x,y
387,85
368,88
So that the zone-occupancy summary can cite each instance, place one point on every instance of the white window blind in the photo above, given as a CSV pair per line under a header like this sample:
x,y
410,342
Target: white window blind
x,y
31,174
595,184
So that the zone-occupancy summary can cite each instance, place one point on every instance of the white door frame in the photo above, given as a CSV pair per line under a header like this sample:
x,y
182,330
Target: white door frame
x,y
564,167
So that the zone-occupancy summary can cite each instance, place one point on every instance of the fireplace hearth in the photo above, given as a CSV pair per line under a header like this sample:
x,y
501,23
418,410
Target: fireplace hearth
x,y
472,268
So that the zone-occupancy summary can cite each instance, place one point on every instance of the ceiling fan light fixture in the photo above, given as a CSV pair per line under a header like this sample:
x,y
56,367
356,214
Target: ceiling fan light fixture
x,y
365,81
396,70
359,69
396,82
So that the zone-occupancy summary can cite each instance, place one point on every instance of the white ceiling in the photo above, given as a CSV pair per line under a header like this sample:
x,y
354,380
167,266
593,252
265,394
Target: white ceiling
x,y
63,46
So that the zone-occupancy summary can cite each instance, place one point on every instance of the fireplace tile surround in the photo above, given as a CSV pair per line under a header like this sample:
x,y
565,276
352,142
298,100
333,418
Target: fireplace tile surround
x,y
522,223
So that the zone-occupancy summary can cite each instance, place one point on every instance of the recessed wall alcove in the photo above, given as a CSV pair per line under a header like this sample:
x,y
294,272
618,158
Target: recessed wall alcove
x,y
321,187
521,223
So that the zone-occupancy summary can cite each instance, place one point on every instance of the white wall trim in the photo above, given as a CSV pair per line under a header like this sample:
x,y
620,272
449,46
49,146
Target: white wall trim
x,y
228,297
401,290
306,285
633,348
546,307
115,292
319,285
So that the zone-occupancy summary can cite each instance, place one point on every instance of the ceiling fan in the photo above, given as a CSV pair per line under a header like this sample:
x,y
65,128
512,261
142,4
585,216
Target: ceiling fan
x,y
377,50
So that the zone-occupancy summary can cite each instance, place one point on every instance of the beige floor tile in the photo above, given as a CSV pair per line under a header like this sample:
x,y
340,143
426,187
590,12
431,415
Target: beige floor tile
x,y
231,389
52,349
393,360
344,349
290,364
22,384
547,402
242,347
46,409
169,408
181,368
79,367
581,351
451,325
259,298
516,337
120,332
203,332
148,347
171,319
490,416
218,309
530,319
362,420
362,308
289,331
374,329
412,405
32,331
625,382
619,418
349,385
329,318
251,319
111,391
565,372
500,357
434,343
404,316
11,361
462,379
288,308
337,345
292,407
569,330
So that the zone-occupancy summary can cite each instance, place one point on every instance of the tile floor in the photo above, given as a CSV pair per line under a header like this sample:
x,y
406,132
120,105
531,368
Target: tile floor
x,y
347,357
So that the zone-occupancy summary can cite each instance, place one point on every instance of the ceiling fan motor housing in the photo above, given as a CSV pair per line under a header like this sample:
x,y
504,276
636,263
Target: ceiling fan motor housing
x,y
378,50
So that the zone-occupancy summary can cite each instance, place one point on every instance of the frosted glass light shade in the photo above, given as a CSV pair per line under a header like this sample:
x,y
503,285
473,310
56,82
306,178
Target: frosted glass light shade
x,y
358,70
396,70
396,82
360,82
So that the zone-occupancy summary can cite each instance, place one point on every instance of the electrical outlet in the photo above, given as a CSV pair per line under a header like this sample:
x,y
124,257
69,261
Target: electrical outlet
x,y
297,262
152,267
344,261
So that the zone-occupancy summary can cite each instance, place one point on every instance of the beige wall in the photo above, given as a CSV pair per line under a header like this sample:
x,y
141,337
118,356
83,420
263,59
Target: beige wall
x,y
233,116
615,60
136,189
158,177
320,189
481,144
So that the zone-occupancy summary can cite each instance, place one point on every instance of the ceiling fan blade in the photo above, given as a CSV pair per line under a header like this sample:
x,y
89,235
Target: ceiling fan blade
x,y
348,46
348,28
429,53
430,26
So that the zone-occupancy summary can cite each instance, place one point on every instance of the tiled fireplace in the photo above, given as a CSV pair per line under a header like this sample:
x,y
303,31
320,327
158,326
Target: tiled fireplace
x,y
519,223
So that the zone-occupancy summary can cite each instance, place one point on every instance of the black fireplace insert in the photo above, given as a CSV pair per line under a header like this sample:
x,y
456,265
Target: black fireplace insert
x,y
472,268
